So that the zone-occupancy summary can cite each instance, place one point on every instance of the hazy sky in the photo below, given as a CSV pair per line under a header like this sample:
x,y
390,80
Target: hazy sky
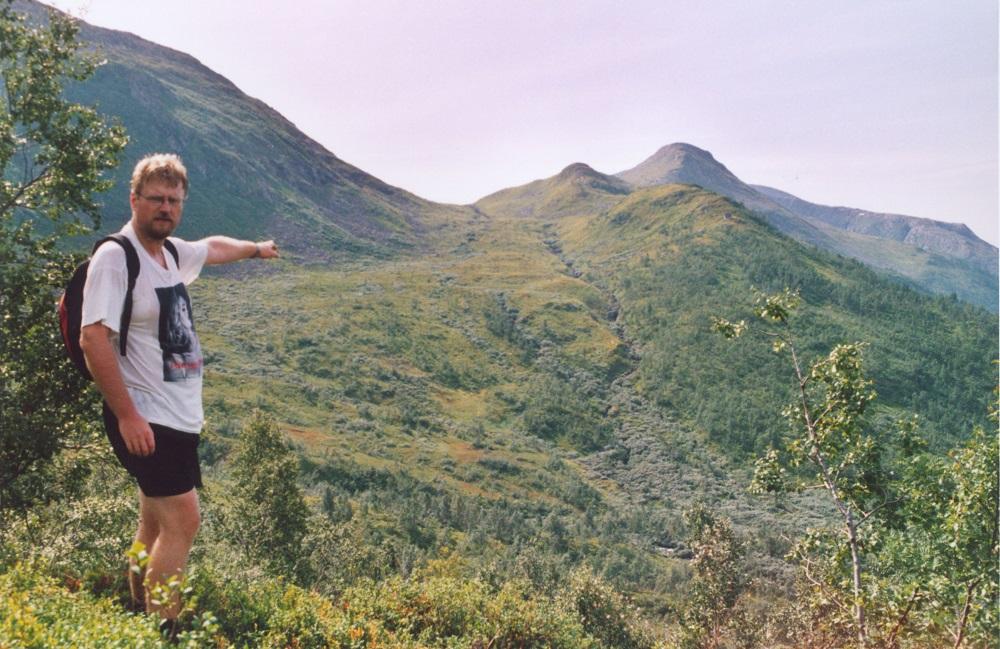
x,y
883,105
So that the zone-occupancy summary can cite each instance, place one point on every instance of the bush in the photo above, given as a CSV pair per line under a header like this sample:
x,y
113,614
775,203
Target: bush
x,y
605,613
35,611
82,539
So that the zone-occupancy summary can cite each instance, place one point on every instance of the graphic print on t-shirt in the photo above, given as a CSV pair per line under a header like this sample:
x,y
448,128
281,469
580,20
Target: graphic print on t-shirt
x,y
181,349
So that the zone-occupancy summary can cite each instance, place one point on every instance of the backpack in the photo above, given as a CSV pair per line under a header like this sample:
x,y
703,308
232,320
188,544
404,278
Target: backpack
x,y
71,302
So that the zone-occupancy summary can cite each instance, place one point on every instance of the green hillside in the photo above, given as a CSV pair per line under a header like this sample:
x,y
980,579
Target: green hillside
x,y
565,372
576,187
484,374
674,256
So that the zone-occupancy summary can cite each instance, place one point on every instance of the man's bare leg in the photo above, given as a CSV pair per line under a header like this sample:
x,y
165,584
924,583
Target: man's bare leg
x,y
146,534
176,519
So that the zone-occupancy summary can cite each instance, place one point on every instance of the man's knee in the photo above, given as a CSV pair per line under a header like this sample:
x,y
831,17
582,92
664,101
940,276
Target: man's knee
x,y
187,514
188,522
176,515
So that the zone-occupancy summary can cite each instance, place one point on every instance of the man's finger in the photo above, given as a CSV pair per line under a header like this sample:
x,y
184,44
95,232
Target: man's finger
x,y
146,442
150,442
139,441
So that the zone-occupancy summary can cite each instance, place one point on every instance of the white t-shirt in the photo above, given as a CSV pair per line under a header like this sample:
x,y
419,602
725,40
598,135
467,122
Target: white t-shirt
x,y
163,363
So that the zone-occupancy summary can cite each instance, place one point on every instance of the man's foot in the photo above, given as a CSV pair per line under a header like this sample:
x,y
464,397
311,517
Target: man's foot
x,y
136,590
168,630
136,605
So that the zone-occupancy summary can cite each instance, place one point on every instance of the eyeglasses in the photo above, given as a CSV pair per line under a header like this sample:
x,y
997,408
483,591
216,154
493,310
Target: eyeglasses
x,y
172,201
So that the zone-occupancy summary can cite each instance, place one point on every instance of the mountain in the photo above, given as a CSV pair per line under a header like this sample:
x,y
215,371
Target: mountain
x,y
934,256
689,165
255,174
506,392
949,239
577,187
252,172
686,164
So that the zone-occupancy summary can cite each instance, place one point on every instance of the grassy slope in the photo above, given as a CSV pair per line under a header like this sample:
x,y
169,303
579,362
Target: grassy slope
x,y
395,377
563,369
675,256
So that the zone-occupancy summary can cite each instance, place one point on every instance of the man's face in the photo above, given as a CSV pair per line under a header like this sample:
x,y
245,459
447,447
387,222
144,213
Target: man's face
x,y
156,210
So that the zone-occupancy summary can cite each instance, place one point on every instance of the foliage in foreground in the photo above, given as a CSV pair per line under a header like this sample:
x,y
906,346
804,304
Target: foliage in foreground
x,y
913,554
65,572
53,156
429,610
37,611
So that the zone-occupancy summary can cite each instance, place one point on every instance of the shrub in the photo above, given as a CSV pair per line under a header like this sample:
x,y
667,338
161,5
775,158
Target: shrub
x,y
35,611
605,613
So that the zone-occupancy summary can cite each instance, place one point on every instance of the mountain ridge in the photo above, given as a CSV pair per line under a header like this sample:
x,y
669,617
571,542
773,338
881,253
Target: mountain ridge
x,y
255,174
917,231
932,256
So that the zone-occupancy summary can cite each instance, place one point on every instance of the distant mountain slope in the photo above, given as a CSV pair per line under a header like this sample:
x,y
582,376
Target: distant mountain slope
x,y
934,256
253,173
577,187
950,239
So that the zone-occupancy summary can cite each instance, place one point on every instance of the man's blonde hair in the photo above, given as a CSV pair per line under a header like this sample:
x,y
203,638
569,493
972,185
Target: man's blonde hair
x,y
165,167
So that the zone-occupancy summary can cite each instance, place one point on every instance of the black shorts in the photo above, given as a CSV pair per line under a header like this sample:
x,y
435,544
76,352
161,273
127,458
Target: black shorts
x,y
173,467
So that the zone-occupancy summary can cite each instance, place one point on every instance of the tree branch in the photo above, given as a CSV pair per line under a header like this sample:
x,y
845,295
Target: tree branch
x,y
964,619
891,640
885,503
12,203
829,592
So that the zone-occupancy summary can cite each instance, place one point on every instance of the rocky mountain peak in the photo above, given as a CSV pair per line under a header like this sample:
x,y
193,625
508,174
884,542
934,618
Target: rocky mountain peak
x,y
683,163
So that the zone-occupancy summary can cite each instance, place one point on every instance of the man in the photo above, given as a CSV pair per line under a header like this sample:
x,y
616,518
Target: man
x,y
152,395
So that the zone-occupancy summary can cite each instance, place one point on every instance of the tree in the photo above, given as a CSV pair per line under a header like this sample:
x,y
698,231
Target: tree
x,y
53,157
914,556
972,516
828,435
948,547
268,516
711,616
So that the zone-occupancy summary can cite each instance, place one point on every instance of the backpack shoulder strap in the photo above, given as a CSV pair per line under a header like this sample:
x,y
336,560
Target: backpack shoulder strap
x,y
132,264
172,249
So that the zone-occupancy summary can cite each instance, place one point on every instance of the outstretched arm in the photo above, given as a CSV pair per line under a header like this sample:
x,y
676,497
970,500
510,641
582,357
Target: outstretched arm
x,y
222,250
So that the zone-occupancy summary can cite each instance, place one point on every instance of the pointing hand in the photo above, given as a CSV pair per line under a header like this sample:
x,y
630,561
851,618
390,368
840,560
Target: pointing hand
x,y
266,250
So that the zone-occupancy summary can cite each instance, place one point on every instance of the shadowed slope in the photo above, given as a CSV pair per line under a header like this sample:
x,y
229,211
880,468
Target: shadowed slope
x,y
253,173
